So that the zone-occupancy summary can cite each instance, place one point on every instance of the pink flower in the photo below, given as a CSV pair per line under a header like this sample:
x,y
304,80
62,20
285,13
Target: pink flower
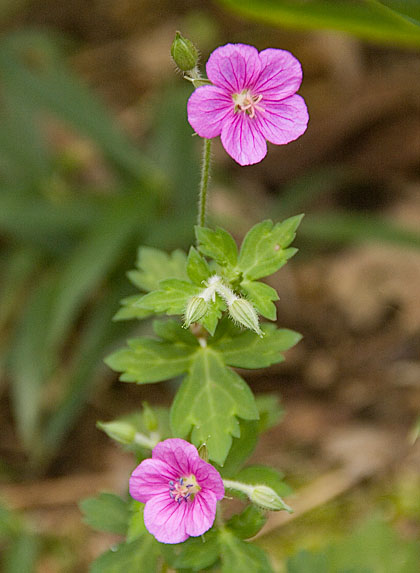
x,y
180,491
253,99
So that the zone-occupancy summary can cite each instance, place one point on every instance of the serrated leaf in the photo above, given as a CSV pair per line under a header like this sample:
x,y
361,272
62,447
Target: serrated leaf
x,y
218,245
131,309
198,269
263,251
171,298
137,555
107,512
247,523
154,266
150,360
209,401
196,553
262,297
238,555
213,315
247,350
264,475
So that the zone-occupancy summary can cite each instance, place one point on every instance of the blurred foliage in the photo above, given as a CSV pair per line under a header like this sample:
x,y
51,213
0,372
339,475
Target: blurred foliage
x,y
66,244
388,21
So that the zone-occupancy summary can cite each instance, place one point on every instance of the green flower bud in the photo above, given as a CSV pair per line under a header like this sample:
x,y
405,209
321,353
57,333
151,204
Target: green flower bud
x,y
196,308
267,498
184,53
120,431
242,311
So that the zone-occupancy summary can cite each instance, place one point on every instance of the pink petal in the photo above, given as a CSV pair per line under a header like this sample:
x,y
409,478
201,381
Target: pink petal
x,y
283,121
234,67
209,479
149,478
243,140
165,519
208,107
177,453
281,75
201,514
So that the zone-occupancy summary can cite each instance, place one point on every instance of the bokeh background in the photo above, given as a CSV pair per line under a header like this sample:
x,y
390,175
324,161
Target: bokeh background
x,y
97,157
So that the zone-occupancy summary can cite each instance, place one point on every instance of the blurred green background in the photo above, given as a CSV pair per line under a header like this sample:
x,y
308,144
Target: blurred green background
x,y
96,158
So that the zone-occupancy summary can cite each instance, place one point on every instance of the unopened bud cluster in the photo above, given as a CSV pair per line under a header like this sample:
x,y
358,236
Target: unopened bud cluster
x,y
240,309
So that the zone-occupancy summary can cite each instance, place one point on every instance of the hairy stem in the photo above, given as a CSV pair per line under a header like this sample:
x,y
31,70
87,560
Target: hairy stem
x,y
205,176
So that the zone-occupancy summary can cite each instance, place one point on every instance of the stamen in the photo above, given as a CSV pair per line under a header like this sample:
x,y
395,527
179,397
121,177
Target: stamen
x,y
185,488
247,102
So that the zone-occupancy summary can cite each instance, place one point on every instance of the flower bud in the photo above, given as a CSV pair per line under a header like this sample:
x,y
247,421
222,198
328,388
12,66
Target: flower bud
x,y
267,498
121,432
196,308
184,53
242,311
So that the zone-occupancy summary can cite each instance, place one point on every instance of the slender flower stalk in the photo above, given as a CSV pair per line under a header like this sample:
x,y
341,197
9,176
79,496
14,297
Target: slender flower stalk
x,y
204,183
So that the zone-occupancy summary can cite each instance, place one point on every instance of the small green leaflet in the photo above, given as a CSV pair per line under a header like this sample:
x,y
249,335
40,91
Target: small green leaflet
x,y
248,523
150,360
154,266
247,350
261,296
263,250
208,403
171,298
238,555
107,512
219,245
198,269
131,309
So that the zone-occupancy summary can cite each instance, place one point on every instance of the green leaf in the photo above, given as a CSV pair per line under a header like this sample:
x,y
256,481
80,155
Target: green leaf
x,y
218,245
367,19
264,475
171,298
197,267
271,411
263,251
238,555
107,512
409,8
131,309
136,527
138,555
262,297
209,401
22,554
173,331
154,266
196,553
150,360
242,448
248,523
247,350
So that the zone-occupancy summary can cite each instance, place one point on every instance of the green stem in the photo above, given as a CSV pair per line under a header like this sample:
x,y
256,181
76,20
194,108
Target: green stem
x,y
205,176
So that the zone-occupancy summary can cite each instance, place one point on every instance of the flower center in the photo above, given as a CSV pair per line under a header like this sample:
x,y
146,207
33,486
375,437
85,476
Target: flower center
x,y
247,102
185,488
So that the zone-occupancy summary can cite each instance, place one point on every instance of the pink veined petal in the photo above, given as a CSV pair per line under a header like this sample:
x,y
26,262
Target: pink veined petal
x,y
283,121
208,107
165,519
201,513
209,479
234,67
177,453
281,75
149,478
243,140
